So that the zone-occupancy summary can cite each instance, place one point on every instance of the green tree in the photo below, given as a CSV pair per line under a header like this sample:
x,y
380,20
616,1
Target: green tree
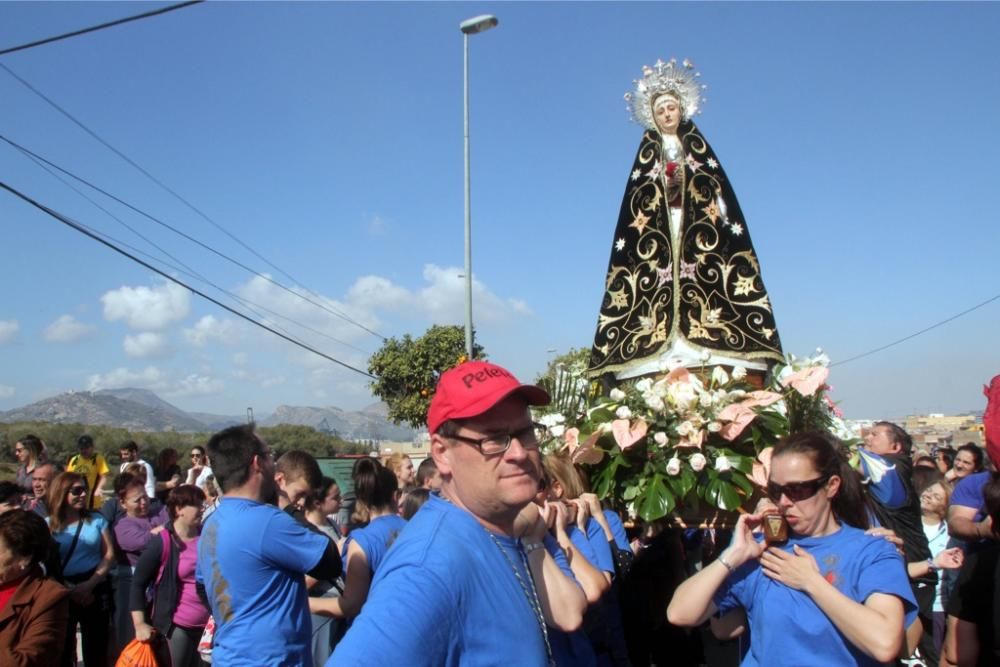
x,y
407,369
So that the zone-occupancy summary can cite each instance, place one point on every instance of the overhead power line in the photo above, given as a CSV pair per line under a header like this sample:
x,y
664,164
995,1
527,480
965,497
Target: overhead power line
x,y
109,24
184,269
86,232
177,196
917,333
51,168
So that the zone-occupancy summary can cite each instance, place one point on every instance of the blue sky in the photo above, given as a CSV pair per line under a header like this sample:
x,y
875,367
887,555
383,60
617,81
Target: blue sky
x,y
860,140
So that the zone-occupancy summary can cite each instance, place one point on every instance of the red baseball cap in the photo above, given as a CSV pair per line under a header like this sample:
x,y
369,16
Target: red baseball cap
x,y
472,388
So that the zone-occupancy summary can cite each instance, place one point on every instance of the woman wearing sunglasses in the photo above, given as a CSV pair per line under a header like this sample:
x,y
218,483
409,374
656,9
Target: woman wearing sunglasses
x,y
86,555
830,595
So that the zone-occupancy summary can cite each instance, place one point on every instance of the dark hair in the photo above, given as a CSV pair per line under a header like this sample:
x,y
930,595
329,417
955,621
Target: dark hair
x,y
34,446
976,452
991,500
164,458
318,495
56,499
10,491
414,500
850,505
122,490
924,478
185,495
130,446
232,451
426,470
296,464
374,484
136,470
948,454
898,435
25,534
925,459
84,441
124,479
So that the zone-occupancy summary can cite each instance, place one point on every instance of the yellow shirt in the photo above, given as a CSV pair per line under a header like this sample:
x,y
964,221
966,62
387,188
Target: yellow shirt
x,y
91,469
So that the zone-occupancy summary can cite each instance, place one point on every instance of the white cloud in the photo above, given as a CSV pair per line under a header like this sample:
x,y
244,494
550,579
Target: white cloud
x,y
440,300
8,330
67,329
210,328
154,379
146,345
6,391
150,377
147,308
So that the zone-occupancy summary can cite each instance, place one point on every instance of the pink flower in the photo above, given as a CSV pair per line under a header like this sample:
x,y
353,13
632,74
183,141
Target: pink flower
x,y
808,380
737,417
762,467
693,439
626,436
571,438
762,398
587,452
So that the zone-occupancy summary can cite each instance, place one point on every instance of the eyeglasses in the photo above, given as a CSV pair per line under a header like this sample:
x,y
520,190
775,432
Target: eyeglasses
x,y
77,490
195,455
530,437
796,491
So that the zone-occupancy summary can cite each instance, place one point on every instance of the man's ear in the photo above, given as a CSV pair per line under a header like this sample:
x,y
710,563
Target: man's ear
x,y
439,452
279,479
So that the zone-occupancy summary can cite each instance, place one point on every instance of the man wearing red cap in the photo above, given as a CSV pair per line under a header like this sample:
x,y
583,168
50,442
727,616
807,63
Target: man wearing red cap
x,y
457,588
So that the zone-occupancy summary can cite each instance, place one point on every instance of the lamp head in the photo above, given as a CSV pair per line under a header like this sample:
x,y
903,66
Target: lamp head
x,y
478,24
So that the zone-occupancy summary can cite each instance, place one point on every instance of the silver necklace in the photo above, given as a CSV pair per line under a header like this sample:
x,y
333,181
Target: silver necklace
x,y
530,593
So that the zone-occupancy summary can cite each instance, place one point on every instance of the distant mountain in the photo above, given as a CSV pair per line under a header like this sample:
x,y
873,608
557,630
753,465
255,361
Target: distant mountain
x,y
86,407
143,410
369,423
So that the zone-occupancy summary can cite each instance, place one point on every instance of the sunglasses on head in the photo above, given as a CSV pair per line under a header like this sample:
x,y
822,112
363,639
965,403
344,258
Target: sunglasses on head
x,y
796,491
77,490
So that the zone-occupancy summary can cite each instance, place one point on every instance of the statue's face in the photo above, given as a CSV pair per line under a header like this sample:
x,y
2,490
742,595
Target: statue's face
x,y
667,114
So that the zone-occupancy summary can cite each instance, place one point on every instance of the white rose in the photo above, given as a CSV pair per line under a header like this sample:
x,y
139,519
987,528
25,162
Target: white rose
x,y
705,356
557,430
698,462
681,394
617,395
722,464
660,438
644,385
705,400
739,373
552,419
654,402
685,428
719,376
673,466
714,427
623,412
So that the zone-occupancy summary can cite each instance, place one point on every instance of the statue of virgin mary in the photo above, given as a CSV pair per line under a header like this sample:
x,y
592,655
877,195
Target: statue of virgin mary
x,y
684,286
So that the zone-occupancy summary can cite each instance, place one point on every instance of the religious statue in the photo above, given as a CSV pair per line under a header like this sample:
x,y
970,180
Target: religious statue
x,y
684,286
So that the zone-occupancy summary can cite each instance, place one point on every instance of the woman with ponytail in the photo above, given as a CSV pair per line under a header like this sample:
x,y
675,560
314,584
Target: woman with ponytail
x,y
363,550
829,592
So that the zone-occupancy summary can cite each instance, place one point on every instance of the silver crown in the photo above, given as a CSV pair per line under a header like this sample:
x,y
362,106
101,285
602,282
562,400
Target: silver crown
x,y
665,77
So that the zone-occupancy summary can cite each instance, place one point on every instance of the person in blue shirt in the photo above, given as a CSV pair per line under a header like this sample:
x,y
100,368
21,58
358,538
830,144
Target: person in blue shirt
x,y
252,558
365,548
830,595
478,577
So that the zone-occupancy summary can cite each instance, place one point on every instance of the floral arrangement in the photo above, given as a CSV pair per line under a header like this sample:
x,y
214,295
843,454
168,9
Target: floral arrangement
x,y
688,440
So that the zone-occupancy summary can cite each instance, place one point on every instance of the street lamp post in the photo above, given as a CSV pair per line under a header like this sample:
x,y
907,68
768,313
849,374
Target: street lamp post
x,y
468,27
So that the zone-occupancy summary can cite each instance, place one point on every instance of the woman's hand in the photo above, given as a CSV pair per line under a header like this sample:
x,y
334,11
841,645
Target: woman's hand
x,y
144,631
582,514
743,546
889,535
157,530
796,570
950,559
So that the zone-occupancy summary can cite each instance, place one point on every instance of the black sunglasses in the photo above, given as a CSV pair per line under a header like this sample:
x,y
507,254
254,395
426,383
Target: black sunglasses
x,y
77,490
796,491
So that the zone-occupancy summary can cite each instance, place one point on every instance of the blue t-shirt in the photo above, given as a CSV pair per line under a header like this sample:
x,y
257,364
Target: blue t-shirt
x,y
89,548
571,649
471,608
599,543
376,538
786,625
251,558
969,493
618,530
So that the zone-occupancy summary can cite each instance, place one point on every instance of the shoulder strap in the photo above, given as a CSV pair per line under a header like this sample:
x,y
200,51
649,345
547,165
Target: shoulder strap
x,y
72,546
165,556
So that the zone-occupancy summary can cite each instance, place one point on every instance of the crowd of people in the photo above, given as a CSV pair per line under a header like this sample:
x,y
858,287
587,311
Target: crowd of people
x,y
490,552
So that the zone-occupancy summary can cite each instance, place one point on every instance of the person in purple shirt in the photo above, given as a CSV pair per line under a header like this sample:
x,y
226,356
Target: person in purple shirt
x,y
132,534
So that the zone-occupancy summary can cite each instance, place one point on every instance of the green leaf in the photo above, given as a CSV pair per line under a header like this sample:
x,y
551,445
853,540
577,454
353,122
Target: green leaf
x,y
601,415
656,501
740,480
722,494
630,492
682,483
